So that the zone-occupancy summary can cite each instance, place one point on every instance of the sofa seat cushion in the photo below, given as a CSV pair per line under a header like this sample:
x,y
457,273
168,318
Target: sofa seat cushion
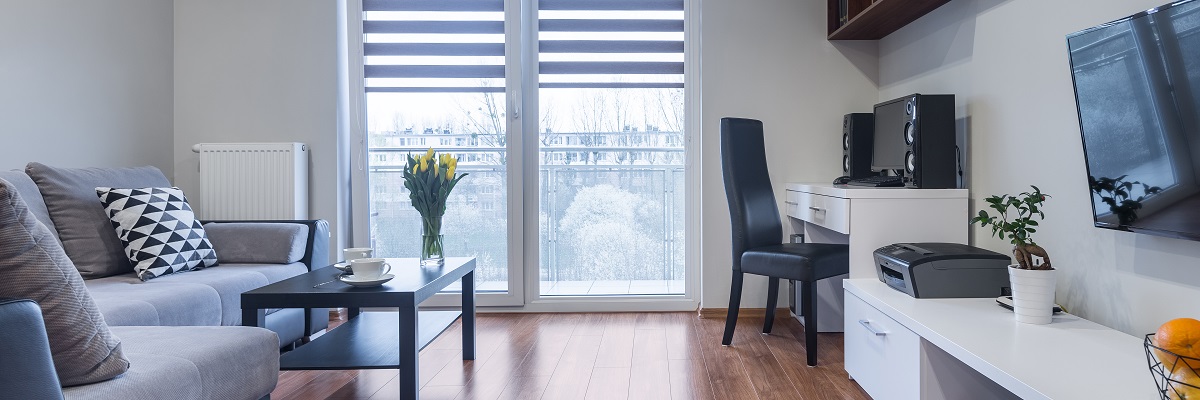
x,y
86,233
192,362
207,297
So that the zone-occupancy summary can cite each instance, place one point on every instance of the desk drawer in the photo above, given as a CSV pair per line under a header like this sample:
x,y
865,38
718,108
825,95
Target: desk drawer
x,y
825,211
881,355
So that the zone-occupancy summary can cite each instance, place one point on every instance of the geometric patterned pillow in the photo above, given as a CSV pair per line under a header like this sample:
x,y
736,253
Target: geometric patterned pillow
x,y
159,230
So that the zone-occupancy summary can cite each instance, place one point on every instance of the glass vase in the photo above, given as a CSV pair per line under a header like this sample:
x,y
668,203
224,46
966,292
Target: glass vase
x,y
431,242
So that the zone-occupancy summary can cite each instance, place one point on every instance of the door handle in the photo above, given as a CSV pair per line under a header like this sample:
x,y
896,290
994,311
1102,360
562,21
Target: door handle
x,y
867,324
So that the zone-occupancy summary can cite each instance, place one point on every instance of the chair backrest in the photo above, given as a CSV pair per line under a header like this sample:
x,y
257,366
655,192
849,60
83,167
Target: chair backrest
x,y
753,213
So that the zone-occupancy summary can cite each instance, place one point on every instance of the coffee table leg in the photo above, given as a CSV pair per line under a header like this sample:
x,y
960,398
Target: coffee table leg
x,y
409,390
254,317
468,315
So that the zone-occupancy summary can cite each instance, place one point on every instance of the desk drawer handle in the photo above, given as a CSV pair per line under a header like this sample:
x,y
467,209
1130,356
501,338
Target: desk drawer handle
x,y
867,324
816,209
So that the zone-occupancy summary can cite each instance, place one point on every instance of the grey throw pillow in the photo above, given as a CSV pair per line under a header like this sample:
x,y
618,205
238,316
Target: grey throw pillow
x,y
86,233
33,266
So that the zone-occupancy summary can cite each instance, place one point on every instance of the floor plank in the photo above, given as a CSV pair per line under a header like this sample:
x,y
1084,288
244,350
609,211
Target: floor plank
x,y
650,376
603,356
608,383
729,379
574,368
765,372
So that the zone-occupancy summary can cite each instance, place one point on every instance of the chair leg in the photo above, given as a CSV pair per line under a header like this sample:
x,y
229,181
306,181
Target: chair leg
x,y
772,301
735,302
808,306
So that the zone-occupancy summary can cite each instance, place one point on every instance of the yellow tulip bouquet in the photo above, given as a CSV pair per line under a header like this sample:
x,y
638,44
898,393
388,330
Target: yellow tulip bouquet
x,y
429,179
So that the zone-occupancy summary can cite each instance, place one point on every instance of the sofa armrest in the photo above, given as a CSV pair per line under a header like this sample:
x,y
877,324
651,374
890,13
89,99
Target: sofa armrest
x,y
257,243
316,246
28,368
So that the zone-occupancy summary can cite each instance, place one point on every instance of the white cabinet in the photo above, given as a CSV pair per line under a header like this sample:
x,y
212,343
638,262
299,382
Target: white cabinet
x,y
952,349
873,341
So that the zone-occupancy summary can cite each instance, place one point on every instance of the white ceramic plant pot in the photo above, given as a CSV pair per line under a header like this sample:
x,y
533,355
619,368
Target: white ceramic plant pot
x,y
1033,294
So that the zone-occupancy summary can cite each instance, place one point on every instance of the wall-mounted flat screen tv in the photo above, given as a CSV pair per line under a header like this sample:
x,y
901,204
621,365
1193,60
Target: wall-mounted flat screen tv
x,y
1137,88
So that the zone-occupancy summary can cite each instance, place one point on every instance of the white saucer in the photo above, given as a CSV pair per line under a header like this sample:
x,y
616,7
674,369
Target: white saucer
x,y
343,266
352,281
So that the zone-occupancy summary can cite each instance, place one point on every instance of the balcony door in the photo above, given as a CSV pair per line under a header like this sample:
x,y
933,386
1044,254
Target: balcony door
x,y
582,199
611,159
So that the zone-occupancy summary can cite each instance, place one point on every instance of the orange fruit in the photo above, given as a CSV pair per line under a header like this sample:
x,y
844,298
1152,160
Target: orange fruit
x,y
1189,389
1182,337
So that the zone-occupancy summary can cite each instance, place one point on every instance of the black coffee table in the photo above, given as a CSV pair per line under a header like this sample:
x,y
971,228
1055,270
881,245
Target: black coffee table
x,y
365,340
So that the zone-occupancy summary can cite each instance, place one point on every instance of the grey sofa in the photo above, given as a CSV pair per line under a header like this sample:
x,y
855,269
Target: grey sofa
x,y
230,362
181,332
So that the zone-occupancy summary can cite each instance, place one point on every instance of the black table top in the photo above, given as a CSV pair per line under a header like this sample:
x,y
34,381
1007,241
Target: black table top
x,y
411,281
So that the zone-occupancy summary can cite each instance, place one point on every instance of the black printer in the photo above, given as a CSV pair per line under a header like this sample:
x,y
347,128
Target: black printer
x,y
943,270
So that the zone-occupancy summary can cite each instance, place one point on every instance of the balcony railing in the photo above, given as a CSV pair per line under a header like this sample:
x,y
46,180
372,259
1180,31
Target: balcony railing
x,y
605,219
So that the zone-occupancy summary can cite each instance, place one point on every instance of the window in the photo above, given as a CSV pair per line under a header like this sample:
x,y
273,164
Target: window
x,y
436,68
604,74
613,226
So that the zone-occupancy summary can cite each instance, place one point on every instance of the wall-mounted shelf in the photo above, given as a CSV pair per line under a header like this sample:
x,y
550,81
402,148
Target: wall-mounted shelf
x,y
872,20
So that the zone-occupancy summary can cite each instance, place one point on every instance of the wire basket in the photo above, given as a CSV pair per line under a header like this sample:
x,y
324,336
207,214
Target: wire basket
x,y
1167,367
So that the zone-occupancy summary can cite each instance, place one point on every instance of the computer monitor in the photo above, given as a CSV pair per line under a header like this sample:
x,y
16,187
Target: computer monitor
x,y
888,152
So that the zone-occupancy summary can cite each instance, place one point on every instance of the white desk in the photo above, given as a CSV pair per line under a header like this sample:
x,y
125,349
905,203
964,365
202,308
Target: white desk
x,y
867,219
929,343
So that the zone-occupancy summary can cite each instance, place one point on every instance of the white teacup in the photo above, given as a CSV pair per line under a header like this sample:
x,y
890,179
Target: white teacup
x,y
355,253
369,268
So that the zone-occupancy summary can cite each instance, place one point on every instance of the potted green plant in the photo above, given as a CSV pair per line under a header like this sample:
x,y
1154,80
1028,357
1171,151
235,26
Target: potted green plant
x,y
1032,278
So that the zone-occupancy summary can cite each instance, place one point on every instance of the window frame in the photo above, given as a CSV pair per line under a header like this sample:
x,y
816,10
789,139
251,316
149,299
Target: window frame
x,y
521,71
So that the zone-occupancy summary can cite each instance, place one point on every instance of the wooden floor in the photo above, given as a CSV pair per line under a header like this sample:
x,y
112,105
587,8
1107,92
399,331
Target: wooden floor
x,y
603,356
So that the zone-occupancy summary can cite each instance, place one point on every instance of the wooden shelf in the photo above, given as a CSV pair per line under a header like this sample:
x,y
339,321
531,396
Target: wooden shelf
x,y
873,20
369,341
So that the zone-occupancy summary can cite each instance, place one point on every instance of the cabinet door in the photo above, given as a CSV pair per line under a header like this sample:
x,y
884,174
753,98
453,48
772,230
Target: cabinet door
x,y
881,355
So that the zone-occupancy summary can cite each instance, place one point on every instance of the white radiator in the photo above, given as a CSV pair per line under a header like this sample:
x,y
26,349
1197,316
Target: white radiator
x,y
246,181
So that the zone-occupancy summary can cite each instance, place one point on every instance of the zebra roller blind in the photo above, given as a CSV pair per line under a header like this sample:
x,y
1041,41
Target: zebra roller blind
x,y
610,43
433,45
458,45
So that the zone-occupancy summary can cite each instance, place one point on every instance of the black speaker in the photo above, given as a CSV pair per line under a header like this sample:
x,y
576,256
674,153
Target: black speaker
x,y
858,136
929,140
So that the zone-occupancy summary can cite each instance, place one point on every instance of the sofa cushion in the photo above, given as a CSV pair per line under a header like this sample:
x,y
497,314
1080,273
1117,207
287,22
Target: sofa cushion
x,y
258,242
158,230
125,300
33,266
225,362
33,198
83,227
211,296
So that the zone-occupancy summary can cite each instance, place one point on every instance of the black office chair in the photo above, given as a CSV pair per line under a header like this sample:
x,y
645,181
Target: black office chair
x,y
758,246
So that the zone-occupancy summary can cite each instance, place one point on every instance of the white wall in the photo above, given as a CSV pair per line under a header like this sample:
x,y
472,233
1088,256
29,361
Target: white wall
x,y
1006,60
260,71
85,83
769,60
